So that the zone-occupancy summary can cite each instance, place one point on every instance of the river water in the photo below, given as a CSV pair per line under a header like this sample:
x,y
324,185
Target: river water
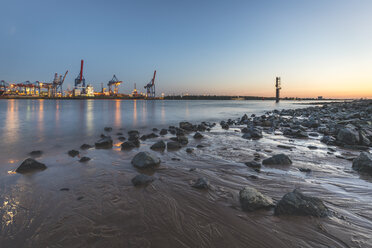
x,y
101,208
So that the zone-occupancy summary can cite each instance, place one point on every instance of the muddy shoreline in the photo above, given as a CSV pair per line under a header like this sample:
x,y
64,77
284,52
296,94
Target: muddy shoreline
x,y
95,203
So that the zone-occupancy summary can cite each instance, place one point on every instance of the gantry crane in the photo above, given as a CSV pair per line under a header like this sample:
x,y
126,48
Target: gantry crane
x,y
114,82
57,84
150,87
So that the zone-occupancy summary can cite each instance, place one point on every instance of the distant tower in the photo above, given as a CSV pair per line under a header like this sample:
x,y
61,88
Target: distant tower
x,y
278,88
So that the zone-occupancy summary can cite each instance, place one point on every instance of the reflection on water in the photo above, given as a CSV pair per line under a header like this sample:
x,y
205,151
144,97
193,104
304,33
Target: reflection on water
x,y
90,116
117,113
11,127
135,113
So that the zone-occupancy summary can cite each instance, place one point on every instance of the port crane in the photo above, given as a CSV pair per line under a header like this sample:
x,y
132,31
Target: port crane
x,y
57,84
150,87
80,80
114,82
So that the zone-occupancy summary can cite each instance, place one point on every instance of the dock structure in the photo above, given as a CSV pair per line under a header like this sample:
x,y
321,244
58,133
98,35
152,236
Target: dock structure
x,y
278,88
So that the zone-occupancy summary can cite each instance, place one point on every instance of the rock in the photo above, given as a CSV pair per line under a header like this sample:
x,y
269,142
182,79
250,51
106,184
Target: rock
x,y
363,163
163,132
224,125
149,136
128,145
251,199
200,146
64,189
173,145
133,132
253,164
73,153
307,170
121,138
30,165
201,183
144,160
189,150
328,140
296,203
198,135
85,147
35,154
312,147
183,140
278,159
285,147
186,126
119,133
108,129
348,136
155,129
313,134
252,133
84,159
142,179
104,143
295,133
160,146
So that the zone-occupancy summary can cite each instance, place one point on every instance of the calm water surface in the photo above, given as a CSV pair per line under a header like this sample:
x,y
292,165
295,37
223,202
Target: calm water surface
x,y
48,124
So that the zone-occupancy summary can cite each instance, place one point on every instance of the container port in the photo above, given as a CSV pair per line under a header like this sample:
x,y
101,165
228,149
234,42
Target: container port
x,y
81,89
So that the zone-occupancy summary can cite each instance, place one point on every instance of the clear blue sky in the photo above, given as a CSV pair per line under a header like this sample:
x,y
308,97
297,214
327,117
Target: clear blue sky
x,y
318,47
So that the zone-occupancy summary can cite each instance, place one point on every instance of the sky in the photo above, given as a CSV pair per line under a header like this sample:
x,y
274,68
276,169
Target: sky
x,y
317,47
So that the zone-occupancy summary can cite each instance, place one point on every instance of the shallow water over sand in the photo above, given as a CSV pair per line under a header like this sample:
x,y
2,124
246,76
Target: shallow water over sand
x,y
103,209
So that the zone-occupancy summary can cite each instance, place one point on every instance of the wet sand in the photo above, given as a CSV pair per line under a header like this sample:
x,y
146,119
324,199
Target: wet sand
x,y
101,207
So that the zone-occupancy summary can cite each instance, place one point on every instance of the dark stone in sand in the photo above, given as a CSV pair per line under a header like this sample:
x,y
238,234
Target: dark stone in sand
x,y
224,125
163,132
363,163
253,177
285,147
73,153
176,159
296,203
64,189
160,146
35,153
200,146
251,199
198,135
121,138
304,170
312,147
186,126
155,129
80,198
173,145
278,159
144,160
253,164
84,159
104,143
253,133
348,136
127,145
142,179
189,150
108,129
183,140
85,147
133,132
328,140
201,183
119,133
313,134
30,165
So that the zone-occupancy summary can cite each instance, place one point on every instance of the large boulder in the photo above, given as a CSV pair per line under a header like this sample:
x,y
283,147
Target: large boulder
x,y
163,132
363,162
104,143
30,165
278,159
348,136
296,203
144,160
251,199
